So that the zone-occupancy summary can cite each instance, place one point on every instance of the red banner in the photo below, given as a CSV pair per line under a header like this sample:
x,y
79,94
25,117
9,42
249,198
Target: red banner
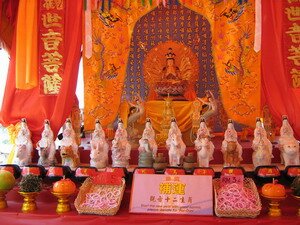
x,y
51,45
291,37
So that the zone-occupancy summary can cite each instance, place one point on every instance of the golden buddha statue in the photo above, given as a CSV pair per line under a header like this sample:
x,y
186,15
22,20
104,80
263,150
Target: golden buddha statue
x,y
171,82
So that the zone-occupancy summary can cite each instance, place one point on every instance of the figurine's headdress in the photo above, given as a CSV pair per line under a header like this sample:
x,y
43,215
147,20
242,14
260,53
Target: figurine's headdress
x,y
148,120
284,117
170,54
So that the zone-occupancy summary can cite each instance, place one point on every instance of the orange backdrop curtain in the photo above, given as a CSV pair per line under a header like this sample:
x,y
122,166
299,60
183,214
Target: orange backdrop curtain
x,y
29,103
276,83
237,65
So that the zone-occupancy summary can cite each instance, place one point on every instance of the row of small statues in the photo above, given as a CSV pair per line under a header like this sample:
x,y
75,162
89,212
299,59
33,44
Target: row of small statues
x,y
121,148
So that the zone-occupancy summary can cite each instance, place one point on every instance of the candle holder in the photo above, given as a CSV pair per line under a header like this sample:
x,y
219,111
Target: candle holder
x,y
3,203
298,199
63,204
29,203
274,205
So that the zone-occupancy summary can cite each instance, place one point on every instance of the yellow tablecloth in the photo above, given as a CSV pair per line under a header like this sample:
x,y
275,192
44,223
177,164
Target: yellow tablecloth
x,y
154,110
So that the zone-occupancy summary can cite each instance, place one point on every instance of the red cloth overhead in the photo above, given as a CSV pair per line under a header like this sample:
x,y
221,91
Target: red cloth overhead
x,y
8,12
276,83
35,107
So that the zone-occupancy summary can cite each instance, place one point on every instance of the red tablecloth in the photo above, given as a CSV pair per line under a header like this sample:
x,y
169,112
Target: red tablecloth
x,y
47,204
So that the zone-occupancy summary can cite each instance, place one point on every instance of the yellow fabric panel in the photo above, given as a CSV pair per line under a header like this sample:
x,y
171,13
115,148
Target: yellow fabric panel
x,y
123,112
26,45
110,50
182,109
232,43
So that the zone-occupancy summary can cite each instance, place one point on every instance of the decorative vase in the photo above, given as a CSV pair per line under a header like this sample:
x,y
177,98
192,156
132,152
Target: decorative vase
x,y
160,162
189,162
29,203
298,199
274,205
63,204
145,159
3,203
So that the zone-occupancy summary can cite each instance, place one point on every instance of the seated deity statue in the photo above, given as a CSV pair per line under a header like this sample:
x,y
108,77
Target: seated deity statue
x,y
203,145
147,142
175,145
288,145
69,148
24,147
46,146
121,147
171,82
99,147
262,147
231,149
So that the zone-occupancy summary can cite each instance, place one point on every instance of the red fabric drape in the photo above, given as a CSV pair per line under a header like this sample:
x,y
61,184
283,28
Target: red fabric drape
x,y
8,12
35,107
276,83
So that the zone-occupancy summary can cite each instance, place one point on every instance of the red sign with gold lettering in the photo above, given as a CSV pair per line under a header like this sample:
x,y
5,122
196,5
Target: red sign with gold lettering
x,y
144,170
291,37
31,170
293,171
55,171
268,172
204,171
107,178
51,46
174,171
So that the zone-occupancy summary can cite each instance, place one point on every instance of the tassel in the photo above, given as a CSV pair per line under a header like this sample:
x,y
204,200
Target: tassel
x,y
103,5
257,34
84,4
143,2
88,31
150,2
109,4
240,2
